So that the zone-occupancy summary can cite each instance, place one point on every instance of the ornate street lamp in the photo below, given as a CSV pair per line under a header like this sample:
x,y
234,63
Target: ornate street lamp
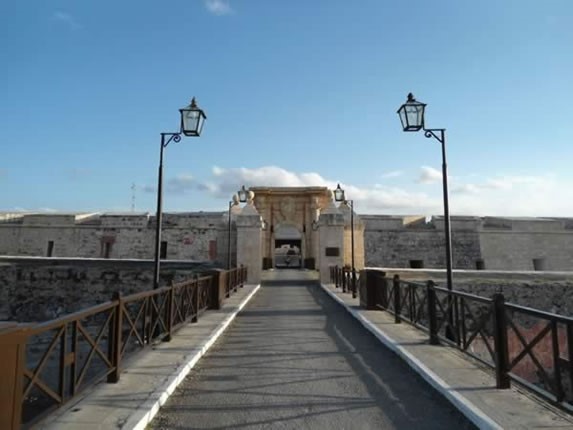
x,y
339,196
192,120
412,117
412,114
243,194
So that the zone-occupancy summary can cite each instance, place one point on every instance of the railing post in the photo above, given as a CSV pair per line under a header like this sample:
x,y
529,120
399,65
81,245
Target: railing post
x,y
570,352
344,280
559,392
354,286
384,291
195,298
12,365
397,305
170,309
115,341
432,318
500,339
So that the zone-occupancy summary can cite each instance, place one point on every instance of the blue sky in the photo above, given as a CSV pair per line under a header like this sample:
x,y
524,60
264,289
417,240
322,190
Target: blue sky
x,y
297,93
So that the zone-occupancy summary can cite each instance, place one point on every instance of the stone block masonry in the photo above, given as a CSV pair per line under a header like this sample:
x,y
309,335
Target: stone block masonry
x,y
544,244
43,289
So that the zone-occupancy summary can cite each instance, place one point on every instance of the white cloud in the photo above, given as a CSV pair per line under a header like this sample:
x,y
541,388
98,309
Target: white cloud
x,y
429,175
393,174
466,189
180,184
218,7
66,18
505,195
376,199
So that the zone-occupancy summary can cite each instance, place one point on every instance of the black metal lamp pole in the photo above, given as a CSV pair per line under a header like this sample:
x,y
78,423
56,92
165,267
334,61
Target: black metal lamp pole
x,y
352,247
412,117
175,137
339,196
192,120
229,238
440,135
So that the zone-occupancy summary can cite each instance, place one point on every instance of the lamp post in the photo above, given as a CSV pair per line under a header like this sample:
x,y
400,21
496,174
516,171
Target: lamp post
x,y
340,197
412,117
192,120
229,237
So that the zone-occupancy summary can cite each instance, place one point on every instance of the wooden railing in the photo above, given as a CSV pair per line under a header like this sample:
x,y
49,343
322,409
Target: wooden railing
x,y
43,366
524,345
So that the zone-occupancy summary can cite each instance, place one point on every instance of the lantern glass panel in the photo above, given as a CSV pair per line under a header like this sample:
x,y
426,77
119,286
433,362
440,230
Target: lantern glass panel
x,y
192,121
415,115
243,195
339,194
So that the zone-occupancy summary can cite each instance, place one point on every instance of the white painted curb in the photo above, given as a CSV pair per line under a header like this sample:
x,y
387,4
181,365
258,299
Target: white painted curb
x,y
145,413
473,413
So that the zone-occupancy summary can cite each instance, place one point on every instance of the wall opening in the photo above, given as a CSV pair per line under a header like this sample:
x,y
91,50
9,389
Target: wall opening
x,y
50,250
288,253
416,264
107,250
163,251
213,252
539,264
480,264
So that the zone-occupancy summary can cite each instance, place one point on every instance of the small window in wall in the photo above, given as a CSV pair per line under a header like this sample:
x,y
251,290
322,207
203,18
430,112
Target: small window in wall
x,y
50,250
539,264
107,249
416,264
212,250
163,252
480,264
332,252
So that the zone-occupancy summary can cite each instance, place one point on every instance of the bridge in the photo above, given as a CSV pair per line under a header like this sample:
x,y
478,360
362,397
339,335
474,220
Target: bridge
x,y
290,352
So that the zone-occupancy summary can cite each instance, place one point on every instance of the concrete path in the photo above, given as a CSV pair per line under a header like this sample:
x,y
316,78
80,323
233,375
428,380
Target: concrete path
x,y
149,378
464,382
294,359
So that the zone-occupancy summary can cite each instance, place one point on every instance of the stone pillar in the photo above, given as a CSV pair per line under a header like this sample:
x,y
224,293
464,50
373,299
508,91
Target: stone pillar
x,y
331,240
249,241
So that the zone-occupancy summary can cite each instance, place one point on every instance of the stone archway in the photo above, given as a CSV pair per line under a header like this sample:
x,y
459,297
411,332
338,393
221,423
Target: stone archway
x,y
297,207
288,246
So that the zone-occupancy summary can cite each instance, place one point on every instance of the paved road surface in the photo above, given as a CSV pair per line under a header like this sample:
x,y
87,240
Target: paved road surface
x,y
294,359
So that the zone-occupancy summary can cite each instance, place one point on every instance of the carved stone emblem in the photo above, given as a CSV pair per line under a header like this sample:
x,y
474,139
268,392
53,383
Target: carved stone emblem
x,y
288,208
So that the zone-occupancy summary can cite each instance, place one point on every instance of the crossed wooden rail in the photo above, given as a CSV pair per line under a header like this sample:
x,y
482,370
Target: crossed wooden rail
x,y
524,345
43,366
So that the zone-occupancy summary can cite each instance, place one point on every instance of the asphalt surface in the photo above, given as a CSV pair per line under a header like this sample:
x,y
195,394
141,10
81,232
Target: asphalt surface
x,y
295,359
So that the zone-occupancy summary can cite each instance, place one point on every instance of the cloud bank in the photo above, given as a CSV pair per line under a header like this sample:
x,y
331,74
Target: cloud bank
x,y
420,194
218,7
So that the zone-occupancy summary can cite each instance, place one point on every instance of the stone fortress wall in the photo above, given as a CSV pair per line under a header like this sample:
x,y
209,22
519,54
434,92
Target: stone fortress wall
x,y
389,241
480,243
188,236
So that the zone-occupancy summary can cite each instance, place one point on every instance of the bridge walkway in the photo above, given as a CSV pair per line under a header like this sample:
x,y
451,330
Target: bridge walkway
x,y
294,359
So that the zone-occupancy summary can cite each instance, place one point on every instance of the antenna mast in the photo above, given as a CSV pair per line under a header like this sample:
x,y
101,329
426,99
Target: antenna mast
x,y
132,197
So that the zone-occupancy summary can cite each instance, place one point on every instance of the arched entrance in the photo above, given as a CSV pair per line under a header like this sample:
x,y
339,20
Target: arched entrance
x,y
288,247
